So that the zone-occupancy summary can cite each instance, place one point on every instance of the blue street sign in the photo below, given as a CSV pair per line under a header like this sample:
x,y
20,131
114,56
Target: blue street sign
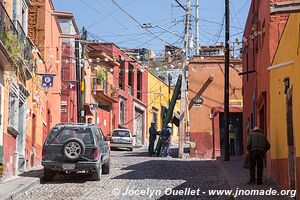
x,y
47,80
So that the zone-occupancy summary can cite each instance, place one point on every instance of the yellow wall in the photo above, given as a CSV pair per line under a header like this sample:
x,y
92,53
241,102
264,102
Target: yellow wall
x,y
289,49
158,93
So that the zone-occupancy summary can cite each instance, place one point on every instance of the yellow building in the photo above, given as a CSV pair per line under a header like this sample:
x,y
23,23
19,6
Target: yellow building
x,y
158,100
284,77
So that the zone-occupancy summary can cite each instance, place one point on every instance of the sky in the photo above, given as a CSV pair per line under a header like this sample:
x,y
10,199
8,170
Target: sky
x,y
105,21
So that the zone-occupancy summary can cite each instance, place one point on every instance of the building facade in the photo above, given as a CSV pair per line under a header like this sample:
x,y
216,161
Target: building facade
x,y
206,76
131,110
159,95
68,33
284,104
101,91
260,40
16,48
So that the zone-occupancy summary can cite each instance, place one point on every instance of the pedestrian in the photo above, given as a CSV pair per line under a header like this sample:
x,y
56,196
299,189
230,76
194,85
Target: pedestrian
x,y
165,140
231,140
257,146
152,138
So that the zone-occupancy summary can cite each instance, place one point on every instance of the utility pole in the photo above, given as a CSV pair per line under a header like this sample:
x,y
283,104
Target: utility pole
x,y
184,80
226,85
77,66
80,75
197,26
82,81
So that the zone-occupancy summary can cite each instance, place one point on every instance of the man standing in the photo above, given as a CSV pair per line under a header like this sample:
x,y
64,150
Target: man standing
x,y
165,140
90,121
231,140
257,145
152,138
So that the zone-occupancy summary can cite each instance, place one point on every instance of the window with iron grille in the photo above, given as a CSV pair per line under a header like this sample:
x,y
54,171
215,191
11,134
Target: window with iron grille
x,y
139,85
13,109
130,79
122,76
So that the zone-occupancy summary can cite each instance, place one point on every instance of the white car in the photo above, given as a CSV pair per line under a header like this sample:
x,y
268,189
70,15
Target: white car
x,y
121,138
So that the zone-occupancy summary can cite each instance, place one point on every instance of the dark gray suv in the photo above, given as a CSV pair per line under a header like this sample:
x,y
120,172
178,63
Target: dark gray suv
x,y
71,148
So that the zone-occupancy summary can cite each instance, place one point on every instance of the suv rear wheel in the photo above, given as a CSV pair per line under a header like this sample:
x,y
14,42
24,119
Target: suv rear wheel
x,y
106,167
96,175
48,174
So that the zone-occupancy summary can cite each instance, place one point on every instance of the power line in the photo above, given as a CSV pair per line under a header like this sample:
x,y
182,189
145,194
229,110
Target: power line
x,y
220,32
134,19
238,12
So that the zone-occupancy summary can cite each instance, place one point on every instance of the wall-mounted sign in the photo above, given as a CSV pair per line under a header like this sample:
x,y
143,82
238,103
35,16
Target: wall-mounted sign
x,y
47,80
197,101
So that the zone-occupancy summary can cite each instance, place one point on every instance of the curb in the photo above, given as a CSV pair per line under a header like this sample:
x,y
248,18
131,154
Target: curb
x,y
22,189
220,165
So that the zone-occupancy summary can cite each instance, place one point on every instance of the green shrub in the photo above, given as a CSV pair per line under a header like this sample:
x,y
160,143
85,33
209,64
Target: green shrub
x,y
11,44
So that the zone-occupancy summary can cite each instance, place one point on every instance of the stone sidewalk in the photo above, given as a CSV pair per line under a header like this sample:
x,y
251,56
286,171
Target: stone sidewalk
x,y
237,177
15,185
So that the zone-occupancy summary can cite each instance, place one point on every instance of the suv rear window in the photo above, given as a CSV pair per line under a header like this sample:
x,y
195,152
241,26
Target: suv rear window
x,y
120,133
61,134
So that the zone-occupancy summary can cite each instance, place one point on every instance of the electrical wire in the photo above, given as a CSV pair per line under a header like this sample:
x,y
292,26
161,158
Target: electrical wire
x,y
134,19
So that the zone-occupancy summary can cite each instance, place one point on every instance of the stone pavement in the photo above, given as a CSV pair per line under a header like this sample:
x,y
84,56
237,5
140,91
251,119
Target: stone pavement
x,y
15,185
136,172
237,177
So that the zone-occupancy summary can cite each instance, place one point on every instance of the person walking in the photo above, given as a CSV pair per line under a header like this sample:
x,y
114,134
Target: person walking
x,y
257,146
152,138
165,140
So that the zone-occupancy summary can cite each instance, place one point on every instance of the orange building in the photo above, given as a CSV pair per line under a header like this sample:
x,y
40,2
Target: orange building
x,y
17,64
44,103
206,86
34,115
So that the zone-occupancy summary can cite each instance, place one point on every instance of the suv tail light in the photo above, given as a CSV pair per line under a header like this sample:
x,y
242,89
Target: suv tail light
x,y
96,154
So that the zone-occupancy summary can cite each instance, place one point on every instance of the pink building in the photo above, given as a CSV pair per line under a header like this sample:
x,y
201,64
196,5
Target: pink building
x,y
131,82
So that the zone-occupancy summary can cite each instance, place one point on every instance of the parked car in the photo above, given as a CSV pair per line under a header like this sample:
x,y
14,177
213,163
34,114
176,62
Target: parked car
x,y
72,148
121,138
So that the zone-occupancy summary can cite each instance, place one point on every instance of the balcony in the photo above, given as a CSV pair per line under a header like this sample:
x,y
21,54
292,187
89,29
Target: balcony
x,y
104,92
26,43
15,46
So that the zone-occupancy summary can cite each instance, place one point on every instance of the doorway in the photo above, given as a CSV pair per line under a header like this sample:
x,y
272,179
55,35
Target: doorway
x,y
236,120
139,126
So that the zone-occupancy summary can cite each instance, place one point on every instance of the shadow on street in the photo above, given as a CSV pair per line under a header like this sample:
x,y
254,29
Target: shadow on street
x,y
202,175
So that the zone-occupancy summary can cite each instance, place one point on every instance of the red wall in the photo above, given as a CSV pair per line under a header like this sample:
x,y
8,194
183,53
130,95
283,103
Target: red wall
x,y
104,116
69,96
8,153
116,53
260,54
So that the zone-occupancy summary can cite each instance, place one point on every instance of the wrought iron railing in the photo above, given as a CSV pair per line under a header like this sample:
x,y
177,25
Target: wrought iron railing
x,y
8,26
5,21
27,46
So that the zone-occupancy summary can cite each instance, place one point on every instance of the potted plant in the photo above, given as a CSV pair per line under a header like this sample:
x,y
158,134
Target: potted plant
x,y
101,75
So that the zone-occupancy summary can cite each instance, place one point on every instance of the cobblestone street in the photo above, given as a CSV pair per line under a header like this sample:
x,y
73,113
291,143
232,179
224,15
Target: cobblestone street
x,y
136,171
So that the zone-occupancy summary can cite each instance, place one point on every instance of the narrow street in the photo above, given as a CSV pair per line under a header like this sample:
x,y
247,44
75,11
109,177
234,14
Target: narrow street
x,y
136,171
